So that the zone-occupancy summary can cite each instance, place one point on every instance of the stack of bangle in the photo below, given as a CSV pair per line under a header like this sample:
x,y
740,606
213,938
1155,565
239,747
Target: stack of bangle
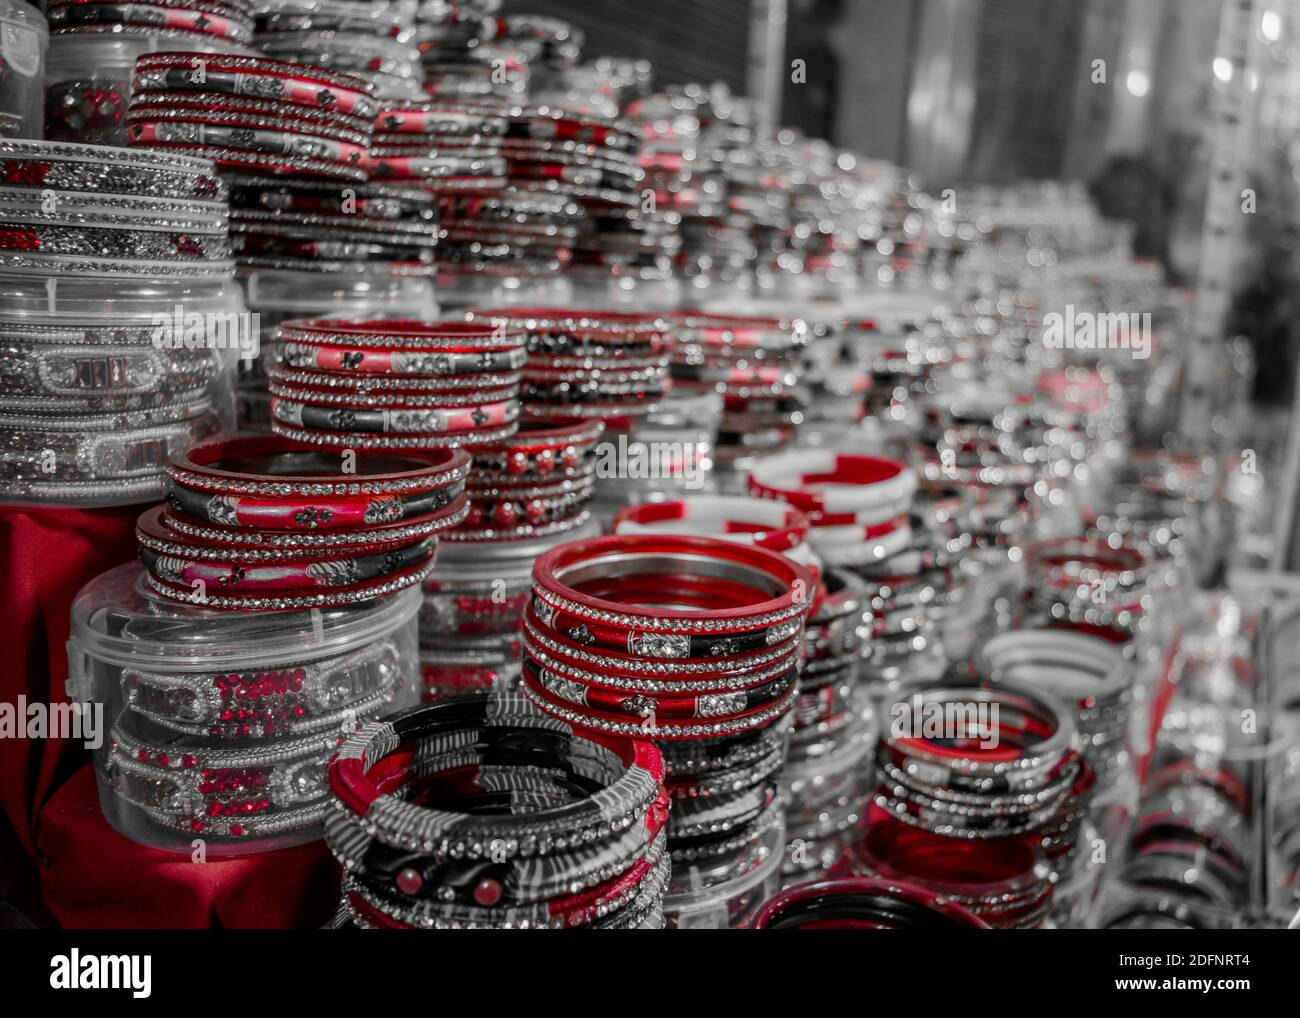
x,y
582,364
485,813
904,614
837,384
253,114
371,41
831,734
692,642
752,364
826,783
396,384
862,904
1097,585
474,604
1001,881
80,209
1079,668
468,54
501,233
900,361
222,722
449,148
264,522
229,20
857,506
536,482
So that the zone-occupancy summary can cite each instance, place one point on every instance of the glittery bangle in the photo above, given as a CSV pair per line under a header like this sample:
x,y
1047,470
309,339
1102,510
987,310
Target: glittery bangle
x,y
63,166
274,703
52,240
748,333
362,440
248,113
539,450
268,138
249,161
403,336
461,421
100,378
416,394
334,597
293,82
151,17
520,532
219,792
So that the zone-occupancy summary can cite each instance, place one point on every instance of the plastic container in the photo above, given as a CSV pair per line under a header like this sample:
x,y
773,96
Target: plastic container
x,y
24,40
88,80
218,725
725,893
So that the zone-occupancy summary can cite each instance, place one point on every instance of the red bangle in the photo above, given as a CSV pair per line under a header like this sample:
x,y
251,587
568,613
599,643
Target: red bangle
x,y
403,336
619,669
858,484
745,332
781,589
772,526
269,482
287,600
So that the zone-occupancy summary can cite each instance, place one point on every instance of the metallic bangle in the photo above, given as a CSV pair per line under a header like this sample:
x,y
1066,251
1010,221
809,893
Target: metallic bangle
x,y
261,481
459,421
103,377
48,451
142,212
224,792
273,703
253,115
650,727
415,395
572,332
385,361
64,166
267,79
51,240
237,134
335,597
577,688
248,161
403,335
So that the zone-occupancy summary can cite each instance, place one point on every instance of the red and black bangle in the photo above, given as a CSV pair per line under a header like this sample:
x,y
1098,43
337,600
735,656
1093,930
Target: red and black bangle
x,y
248,113
742,331
224,142
297,84
768,595
404,335
295,599
649,726
412,396
539,449
272,483
863,904
330,356
404,420
572,332
620,670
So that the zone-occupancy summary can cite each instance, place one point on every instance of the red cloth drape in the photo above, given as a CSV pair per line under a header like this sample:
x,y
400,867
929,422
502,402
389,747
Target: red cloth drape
x,y
60,861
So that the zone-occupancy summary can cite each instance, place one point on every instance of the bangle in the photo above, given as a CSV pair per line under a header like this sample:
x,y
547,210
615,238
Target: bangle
x,y
774,527
998,881
249,113
218,792
830,486
335,597
632,773
863,904
67,167
265,481
413,395
403,335
101,378
776,593
382,361
726,332
296,84
272,704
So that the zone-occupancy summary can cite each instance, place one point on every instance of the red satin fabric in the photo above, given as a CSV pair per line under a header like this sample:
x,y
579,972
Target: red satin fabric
x,y
60,861
47,553
95,877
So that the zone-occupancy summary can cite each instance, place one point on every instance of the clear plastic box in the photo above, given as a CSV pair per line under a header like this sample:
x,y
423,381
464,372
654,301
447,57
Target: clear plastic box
x,y
217,725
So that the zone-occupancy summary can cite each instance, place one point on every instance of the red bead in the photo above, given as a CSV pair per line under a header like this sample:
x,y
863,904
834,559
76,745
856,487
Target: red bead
x,y
487,892
409,881
517,463
545,461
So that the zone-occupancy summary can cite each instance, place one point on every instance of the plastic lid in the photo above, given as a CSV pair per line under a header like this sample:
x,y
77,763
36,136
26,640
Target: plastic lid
x,y
112,300
117,620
